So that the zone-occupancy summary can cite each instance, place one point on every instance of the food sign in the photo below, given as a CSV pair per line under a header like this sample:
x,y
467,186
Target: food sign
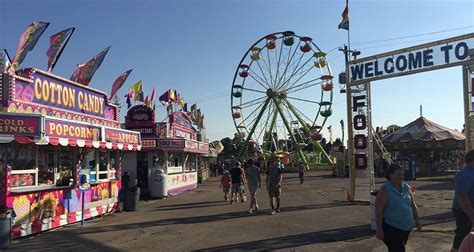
x,y
20,125
49,91
63,129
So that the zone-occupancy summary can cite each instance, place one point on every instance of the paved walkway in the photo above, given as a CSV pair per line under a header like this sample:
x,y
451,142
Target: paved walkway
x,y
314,217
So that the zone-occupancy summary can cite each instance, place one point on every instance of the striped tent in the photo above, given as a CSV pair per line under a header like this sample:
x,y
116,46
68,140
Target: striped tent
x,y
423,133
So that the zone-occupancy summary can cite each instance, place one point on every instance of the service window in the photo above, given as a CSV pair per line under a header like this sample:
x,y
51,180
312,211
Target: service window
x,y
175,163
22,159
103,164
66,165
46,165
190,163
112,165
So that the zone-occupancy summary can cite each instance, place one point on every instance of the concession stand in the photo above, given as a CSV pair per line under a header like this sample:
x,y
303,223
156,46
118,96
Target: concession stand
x,y
174,146
51,129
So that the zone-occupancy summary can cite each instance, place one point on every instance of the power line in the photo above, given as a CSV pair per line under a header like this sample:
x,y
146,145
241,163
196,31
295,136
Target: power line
x,y
411,36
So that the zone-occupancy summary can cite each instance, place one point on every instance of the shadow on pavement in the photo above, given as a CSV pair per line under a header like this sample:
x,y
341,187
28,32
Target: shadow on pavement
x,y
68,242
439,186
297,240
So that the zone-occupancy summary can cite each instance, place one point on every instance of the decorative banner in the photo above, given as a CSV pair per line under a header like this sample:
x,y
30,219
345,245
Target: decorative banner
x,y
20,125
84,72
28,41
58,128
50,91
431,56
121,136
118,83
57,44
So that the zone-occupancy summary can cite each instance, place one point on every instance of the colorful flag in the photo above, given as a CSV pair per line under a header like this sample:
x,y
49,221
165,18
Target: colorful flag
x,y
146,100
172,96
5,61
118,83
193,107
151,102
165,98
137,91
345,18
181,102
57,43
185,107
84,72
28,41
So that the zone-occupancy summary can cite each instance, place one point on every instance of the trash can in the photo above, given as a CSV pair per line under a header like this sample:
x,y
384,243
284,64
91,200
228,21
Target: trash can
x,y
5,228
131,198
158,184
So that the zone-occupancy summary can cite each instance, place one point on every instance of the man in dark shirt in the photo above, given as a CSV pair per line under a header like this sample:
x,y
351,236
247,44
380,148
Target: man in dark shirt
x,y
238,179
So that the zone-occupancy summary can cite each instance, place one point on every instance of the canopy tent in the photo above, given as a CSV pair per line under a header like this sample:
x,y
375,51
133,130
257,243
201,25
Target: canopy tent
x,y
424,134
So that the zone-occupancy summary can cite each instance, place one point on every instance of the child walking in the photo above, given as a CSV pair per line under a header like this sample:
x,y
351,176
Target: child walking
x,y
225,185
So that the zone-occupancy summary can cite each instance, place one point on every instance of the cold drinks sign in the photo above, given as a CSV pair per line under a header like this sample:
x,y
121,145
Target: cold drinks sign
x,y
425,57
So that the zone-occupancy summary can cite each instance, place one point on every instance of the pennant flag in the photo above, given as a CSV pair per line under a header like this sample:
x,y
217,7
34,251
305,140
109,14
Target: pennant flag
x,y
172,95
129,102
185,107
84,72
151,102
193,107
165,98
181,102
146,100
137,91
345,18
57,43
28,41
118,83
5,61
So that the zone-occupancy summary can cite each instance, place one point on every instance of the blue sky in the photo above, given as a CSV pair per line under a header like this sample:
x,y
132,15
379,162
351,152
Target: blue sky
x,y
195,46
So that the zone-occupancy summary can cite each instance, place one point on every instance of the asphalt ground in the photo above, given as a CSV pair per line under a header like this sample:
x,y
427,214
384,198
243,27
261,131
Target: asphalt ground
x,y
315,216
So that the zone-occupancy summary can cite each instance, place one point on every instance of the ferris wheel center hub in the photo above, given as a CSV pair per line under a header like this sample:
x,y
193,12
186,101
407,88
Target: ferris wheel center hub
x,y
271,93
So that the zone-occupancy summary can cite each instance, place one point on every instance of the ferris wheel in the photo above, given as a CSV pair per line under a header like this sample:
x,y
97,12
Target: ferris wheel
x,y
282,93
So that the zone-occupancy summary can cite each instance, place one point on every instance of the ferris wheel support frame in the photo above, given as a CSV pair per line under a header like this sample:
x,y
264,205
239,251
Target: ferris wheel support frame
x,y
293,139
270,131
308,132
259,116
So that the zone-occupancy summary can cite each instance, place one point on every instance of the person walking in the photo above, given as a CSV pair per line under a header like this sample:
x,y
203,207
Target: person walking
x,y
301,172
395,210
254,182
273,182
238,179
463,201
225,185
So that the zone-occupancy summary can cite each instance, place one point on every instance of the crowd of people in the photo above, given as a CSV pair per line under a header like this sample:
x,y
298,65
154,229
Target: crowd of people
x,y
233,182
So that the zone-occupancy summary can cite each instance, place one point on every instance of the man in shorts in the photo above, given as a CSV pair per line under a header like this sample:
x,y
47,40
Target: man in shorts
x,y
274,177
253,180
238,179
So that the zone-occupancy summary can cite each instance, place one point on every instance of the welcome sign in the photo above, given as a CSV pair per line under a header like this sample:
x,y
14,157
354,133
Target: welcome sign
x,y
431,56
